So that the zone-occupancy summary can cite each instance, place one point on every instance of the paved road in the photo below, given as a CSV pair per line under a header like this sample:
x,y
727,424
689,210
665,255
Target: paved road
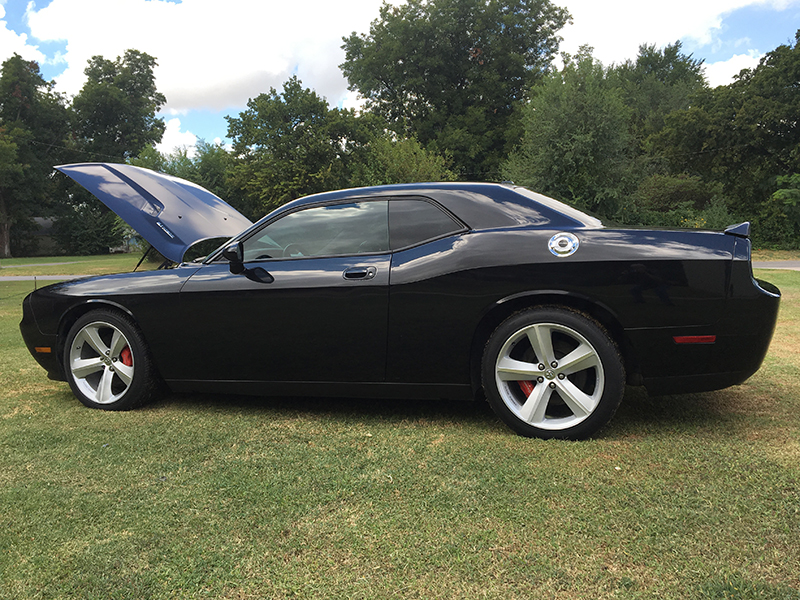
x,y
39,277
792,265
55,264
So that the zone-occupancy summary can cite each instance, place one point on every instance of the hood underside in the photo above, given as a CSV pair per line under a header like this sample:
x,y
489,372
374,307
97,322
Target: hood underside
x,y
170,213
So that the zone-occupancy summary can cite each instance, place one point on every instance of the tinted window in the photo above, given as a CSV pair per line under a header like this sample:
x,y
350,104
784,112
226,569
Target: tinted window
x,y
356,228
415,221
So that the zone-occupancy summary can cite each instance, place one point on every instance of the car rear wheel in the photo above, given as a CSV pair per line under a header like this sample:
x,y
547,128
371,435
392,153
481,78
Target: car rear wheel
x,y
551,372
107,362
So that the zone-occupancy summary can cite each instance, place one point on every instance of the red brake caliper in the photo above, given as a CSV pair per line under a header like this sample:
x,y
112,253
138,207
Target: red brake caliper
x,y
127,358
525,386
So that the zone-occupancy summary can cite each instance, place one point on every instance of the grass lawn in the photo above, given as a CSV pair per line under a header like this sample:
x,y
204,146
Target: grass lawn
x,y
73,265
694,496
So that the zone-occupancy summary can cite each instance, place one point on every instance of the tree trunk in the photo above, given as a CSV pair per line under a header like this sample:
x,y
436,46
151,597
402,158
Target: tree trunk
x,y
5,229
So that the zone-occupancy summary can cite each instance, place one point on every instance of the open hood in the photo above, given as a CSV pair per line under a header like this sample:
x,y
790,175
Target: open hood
x,y
170,213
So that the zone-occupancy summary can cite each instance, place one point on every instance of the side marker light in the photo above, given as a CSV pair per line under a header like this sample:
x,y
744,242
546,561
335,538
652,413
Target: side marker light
x,y
44,349
694,339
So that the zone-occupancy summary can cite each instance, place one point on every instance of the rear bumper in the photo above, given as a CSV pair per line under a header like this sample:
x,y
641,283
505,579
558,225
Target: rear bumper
x,y
743,334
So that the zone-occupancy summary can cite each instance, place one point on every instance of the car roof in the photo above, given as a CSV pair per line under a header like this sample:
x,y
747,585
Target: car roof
x,y
479,205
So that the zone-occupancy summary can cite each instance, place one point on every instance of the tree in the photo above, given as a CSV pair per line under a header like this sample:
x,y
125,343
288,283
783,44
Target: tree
x,y
116,107
778,220
576,145
743,135
657,83
452,73
34,122
291,144
115,120
400,161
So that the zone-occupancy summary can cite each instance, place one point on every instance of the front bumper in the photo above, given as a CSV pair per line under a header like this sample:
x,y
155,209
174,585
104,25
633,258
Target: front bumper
x,y
43,347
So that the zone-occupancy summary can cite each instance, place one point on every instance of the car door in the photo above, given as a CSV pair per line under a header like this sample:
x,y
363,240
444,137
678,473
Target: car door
x,y
312,305
428,333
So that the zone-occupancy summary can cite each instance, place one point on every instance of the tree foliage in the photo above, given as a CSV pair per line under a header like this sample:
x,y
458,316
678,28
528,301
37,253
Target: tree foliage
x,y
657,83
576,145
289,144
453,73
454,89
115,119
116,108
87,229
34,123
743,135
389,160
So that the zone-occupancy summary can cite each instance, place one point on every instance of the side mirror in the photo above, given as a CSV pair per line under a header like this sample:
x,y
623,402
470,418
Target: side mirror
x,y
235,256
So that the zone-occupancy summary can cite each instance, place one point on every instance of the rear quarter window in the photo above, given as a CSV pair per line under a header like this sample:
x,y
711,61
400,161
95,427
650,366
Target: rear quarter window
x,y
412,222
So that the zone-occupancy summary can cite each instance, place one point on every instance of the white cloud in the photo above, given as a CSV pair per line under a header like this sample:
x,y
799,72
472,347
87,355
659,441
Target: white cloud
x,y
616,28
175,138
11,42
215,55
211,54
353,100
722,72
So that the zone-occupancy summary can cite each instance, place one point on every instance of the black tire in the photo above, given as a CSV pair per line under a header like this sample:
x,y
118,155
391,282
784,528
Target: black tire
x,y
551,372
107,363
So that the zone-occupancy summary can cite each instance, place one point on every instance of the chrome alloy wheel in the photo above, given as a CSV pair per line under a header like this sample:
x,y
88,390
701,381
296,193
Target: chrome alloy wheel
x,y
101,362
549,376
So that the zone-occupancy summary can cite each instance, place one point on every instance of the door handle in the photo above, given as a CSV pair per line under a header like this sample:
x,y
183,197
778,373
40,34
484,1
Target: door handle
x,y
359,273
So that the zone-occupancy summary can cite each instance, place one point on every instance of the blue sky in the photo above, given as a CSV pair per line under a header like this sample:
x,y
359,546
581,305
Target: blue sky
x,y
213,55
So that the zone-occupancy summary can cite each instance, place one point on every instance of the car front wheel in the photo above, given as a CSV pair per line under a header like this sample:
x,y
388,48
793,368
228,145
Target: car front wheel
x,y
551,372
107,362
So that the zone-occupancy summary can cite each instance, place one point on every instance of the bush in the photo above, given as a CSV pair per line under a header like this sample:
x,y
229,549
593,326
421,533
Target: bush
x,y
87,229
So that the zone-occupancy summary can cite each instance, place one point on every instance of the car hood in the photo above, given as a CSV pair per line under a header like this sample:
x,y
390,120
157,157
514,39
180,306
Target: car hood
x,y
170,213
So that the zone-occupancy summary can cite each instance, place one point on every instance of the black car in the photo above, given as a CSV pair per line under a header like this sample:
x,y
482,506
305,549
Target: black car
x,y
439,290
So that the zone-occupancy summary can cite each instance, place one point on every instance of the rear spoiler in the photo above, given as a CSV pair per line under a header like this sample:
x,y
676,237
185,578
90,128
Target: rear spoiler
x,y
741,230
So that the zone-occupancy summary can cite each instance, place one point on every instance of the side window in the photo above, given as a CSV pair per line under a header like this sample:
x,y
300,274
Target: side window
x,y
415,221
354,228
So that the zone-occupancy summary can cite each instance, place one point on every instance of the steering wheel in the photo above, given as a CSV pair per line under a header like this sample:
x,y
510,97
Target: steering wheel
x,y
294,250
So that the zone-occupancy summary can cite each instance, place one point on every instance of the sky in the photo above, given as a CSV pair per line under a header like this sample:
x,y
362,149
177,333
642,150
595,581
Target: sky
x,y
213,55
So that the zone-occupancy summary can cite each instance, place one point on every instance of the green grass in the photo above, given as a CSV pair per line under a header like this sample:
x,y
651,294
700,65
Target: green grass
x,y
73,265
694,496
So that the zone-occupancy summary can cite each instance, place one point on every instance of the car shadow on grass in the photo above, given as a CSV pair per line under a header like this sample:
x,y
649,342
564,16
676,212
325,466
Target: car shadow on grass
x,y
643,414
441,412
639,414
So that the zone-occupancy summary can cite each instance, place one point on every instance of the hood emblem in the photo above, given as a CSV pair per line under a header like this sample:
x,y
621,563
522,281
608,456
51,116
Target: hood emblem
x,y
164,229
563,244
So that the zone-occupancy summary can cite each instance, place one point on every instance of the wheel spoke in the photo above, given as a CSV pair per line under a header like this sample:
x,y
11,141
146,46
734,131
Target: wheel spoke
x,y
541,338
583,357
534,408
83,367
91,335
124,372
580,403
104,395
509,369
118,342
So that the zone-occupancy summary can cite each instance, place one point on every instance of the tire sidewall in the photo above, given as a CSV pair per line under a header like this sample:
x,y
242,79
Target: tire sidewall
x,y
595,334
140,389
